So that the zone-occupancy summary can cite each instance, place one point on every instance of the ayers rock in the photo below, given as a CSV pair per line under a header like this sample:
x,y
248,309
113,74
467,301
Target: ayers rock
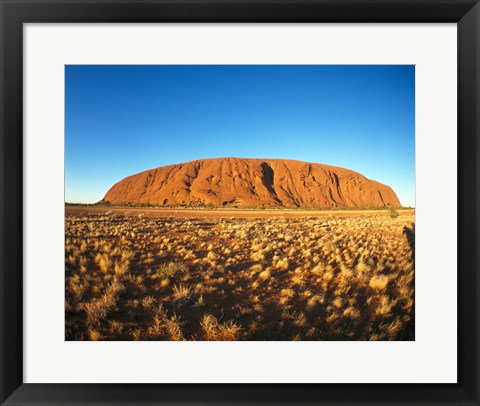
x,y
252,182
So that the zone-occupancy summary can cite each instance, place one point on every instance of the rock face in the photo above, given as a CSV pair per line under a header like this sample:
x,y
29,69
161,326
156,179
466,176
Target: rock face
x,y
246,182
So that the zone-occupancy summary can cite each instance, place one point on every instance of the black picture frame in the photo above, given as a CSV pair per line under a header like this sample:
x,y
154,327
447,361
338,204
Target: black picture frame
x,y
14,13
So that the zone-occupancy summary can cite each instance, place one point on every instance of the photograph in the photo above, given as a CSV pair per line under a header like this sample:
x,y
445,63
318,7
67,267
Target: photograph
x,y
239,203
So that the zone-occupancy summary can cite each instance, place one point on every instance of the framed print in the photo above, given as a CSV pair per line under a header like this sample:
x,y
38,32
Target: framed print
x,y
218,260
239,202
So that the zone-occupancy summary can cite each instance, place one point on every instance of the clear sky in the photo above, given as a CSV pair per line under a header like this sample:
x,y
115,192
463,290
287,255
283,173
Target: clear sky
x,y
121,120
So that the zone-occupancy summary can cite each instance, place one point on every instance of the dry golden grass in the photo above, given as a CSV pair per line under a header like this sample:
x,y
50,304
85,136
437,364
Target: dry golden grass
x,y
329,278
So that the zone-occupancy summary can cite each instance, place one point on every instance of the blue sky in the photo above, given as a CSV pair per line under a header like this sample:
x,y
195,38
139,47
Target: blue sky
x,y
120,120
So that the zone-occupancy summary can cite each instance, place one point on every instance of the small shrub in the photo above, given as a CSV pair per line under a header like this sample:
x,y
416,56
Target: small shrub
x,y
171,270
216,331
379,282
181,293
393,212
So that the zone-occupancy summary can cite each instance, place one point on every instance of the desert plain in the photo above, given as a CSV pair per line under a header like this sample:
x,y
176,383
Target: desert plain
x,y
139,273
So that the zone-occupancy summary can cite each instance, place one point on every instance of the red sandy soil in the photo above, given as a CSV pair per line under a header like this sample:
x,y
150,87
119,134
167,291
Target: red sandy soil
x,y
243,182
224,213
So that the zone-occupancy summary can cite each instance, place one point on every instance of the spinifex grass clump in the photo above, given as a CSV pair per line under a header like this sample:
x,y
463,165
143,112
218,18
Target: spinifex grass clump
x,y
171,270
330,278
